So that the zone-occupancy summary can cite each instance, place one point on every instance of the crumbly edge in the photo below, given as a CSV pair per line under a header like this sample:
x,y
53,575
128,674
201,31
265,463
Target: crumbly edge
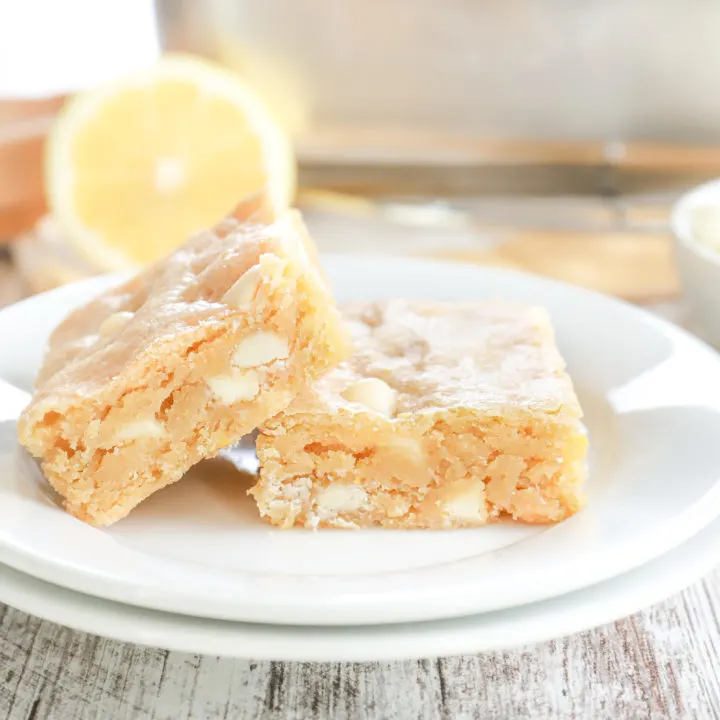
x,y
66,432
438,471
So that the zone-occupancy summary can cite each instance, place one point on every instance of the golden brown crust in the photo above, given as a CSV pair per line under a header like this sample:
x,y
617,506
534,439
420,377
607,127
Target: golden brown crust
x,y
445,416
179,362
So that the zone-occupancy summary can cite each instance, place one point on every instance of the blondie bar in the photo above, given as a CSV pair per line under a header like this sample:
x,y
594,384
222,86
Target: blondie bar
x,y
445,416
181,361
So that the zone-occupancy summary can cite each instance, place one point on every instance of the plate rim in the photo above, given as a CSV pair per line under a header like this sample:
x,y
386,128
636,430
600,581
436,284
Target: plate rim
x,y
87,582
546,620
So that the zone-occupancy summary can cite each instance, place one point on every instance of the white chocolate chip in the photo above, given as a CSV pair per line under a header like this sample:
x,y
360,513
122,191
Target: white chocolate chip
x,y
468,505
234,387
260,348
339,497
147,428
244,288
374,394
407,447
114,323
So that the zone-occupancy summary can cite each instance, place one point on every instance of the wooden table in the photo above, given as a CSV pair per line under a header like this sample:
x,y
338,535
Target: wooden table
x,y
661,663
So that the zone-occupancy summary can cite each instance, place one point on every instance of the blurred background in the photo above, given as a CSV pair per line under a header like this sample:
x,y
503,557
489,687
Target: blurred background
x,y
545,135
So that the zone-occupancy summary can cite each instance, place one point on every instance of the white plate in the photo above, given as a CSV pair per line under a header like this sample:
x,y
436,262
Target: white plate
x,y
652,396
500,630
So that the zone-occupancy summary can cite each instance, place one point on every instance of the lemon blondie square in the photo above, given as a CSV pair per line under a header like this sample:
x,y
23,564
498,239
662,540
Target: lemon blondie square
x,y
181,361
445,416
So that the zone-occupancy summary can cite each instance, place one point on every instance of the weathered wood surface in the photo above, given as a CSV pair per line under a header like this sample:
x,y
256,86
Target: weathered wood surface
x,y
661,663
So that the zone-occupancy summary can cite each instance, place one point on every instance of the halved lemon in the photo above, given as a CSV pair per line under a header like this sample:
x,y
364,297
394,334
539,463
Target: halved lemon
x,y
135,167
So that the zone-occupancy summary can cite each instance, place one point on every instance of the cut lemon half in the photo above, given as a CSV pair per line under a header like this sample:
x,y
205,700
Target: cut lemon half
x,y
135,167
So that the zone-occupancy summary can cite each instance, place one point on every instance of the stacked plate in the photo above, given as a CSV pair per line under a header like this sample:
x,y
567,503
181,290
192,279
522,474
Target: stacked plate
x,y
195,569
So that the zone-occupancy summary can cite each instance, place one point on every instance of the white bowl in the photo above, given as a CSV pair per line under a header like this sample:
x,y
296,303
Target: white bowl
x,y
698,263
